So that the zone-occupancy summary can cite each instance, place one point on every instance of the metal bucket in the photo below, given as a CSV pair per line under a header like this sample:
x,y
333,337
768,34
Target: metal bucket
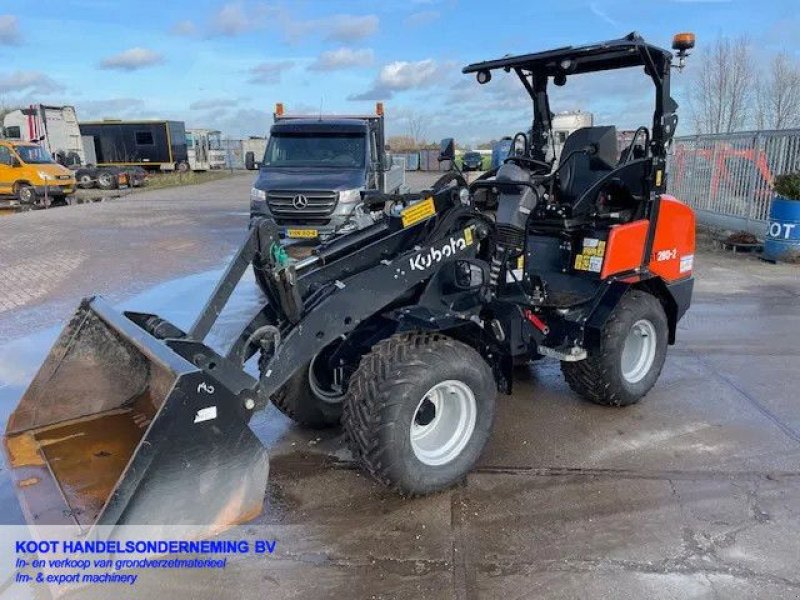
x,y
119,427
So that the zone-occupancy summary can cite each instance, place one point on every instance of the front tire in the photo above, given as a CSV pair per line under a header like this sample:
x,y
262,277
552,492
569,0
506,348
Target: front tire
x,y
419,410
631,355
26,194
313,398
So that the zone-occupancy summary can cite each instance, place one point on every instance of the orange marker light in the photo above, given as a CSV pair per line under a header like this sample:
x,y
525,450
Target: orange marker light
x,y
379,109
279,109
683,41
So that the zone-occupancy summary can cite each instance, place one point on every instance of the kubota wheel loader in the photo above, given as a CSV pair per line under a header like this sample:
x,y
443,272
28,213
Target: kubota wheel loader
x,y
402,332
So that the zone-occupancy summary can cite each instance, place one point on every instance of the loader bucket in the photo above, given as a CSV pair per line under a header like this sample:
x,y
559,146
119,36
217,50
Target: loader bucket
x,y
119,427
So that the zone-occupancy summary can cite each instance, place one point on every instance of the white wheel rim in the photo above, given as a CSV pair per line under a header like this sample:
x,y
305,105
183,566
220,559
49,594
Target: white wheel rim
x,y
443,422
331,396
639,351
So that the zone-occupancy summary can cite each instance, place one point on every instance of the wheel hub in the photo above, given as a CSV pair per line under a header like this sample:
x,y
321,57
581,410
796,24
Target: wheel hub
x,y
639,351
443,422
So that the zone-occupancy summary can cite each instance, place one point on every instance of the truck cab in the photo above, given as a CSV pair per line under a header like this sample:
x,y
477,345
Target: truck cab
x,y
315,169
31,176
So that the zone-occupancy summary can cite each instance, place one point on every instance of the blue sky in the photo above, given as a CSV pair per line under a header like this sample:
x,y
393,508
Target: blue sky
x,y
224,64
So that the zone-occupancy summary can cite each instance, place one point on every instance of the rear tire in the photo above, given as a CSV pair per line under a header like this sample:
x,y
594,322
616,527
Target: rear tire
x,y
107,180
631,355
419,410
85,179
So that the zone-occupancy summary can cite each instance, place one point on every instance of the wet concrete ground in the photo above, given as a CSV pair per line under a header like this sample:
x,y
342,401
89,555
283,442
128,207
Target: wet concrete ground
x,y
693,493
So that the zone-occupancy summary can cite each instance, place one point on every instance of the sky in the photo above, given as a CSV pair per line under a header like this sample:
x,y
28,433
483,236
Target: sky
x,y
224,64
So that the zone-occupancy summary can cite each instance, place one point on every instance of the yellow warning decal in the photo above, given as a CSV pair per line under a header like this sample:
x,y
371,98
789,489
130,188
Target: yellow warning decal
x,y
418,212
659,176
591,256
468,236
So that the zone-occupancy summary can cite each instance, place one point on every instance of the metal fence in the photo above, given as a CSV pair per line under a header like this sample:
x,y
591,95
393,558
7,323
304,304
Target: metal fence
x,y
727,178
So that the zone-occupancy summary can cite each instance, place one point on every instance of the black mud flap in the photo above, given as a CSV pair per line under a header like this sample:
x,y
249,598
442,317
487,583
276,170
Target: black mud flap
x,y
120,428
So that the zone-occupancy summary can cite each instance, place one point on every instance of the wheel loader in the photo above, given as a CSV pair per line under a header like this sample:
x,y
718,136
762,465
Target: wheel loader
x,y
402,333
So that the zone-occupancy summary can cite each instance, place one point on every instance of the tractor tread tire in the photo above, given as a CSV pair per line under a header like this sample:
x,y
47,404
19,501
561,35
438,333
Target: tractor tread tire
x,y
389,366
598,378
296,400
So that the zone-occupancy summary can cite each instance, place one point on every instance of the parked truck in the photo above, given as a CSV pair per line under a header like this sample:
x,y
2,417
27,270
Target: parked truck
x,y
56,130
316,169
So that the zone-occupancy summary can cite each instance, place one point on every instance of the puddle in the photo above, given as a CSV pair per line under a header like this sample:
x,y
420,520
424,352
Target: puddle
x,y
179,301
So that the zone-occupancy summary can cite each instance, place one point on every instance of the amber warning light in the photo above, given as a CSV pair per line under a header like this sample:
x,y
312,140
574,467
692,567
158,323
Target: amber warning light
x,y
682,42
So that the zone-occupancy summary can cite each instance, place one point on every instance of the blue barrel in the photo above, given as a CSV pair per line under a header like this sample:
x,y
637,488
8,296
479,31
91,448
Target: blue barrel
x,y
783,232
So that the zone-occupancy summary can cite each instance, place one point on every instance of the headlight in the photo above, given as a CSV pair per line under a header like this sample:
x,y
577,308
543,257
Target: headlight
x,y
350,196
256,194
43,176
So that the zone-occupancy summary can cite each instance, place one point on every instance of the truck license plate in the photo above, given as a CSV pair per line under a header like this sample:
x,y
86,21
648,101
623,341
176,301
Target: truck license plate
x,y
301,233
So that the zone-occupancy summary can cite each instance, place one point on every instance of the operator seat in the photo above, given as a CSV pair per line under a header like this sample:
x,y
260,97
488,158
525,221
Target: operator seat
x,y
581,170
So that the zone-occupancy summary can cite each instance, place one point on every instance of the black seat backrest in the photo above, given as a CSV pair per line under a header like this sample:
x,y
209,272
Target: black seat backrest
x,y
580,169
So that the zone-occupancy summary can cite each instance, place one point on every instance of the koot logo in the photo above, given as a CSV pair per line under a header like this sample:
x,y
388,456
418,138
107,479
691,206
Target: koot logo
x,y
425,260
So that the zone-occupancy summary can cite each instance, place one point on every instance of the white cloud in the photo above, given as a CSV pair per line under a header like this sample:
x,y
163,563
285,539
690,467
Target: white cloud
x,y
270,72
345,28
425,17
9,30
399,76
212,103
132,59
28,81
343,58
110,108
403,75
232,19
185,28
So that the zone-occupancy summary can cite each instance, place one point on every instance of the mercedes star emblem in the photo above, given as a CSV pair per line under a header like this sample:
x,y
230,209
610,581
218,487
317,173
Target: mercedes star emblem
x,y
299,202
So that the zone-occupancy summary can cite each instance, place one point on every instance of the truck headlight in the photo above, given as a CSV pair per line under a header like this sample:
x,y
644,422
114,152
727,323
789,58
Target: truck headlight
x,y
350,196
256,194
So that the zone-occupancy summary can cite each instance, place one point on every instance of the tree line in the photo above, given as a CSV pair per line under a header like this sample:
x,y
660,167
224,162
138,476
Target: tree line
x,y
735,90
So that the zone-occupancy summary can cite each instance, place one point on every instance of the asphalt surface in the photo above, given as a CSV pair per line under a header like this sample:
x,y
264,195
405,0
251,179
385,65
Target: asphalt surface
x,y
692,493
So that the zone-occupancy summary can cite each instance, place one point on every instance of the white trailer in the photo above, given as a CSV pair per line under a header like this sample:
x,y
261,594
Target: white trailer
x,y
204,149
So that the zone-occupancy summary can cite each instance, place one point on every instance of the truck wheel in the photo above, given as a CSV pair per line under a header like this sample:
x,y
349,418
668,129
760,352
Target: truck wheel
x,y
182,167
418,411
630,357
107,180
312,398
25,194
84,179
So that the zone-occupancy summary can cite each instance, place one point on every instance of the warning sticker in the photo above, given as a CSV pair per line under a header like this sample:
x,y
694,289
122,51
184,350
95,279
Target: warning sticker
x,y
418,212
687,262
591,257
513,275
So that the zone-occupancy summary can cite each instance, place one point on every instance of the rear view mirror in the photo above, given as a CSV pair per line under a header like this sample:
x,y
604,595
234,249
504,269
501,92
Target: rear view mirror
x,y
249,161
447,150
15,162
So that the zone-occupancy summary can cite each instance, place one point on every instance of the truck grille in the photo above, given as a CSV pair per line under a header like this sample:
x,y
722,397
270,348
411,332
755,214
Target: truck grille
x,y
301,204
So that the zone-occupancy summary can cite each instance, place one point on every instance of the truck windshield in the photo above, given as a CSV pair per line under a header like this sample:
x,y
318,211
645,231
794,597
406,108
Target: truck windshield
x,y
34,155
340,150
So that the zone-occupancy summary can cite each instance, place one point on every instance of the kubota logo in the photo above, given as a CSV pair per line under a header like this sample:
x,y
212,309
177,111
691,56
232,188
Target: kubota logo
x,y
425,260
